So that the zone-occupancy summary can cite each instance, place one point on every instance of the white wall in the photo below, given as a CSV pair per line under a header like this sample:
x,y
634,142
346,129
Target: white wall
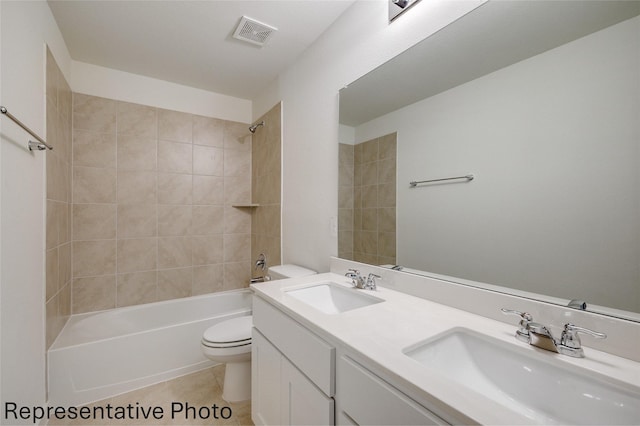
x,y
123,86
25,27
346,134
360,40
553,141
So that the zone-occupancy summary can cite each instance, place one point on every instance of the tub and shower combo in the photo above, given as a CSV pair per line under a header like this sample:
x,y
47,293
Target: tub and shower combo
x,y
98,355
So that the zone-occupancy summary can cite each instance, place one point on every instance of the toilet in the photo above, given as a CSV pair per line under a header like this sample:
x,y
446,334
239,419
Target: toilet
x,y
229,342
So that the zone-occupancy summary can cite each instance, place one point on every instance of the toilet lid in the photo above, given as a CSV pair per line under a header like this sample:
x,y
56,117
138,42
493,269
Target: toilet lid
x,y
235,330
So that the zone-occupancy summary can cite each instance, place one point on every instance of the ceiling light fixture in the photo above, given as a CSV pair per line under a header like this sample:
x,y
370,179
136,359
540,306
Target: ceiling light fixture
x,y
397,7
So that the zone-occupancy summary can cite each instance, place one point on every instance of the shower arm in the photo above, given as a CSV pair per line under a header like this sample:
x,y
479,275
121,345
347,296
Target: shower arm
x,y
253,128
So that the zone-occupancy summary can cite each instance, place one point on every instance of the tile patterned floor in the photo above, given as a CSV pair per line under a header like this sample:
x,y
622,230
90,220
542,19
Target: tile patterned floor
x,y
198,394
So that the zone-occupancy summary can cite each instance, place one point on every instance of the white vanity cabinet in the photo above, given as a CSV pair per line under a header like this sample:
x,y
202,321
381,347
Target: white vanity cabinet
x,y
292,371
295,379
365,399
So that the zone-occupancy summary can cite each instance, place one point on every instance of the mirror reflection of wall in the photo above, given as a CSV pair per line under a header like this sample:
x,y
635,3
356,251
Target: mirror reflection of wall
x,y
367,205
554,209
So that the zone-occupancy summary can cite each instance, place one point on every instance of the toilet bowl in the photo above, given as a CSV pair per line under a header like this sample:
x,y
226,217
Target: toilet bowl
x,y
229,342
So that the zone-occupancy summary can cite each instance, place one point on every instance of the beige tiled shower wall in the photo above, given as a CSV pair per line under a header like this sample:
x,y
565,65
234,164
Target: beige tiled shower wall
x,y
374,201
58,222
152,215
345,201
266,176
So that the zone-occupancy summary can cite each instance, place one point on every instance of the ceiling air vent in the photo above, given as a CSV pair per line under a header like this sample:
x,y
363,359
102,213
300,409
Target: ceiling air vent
x,y
254,32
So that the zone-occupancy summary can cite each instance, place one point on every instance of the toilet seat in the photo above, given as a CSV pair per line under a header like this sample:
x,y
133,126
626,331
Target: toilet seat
x,y
233,333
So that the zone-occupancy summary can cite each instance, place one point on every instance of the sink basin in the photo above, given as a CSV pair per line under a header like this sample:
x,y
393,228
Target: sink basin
x,y
533,384
332,298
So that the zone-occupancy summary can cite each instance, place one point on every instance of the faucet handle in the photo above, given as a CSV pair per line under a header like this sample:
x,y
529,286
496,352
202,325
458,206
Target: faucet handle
x,y
570,336
526,318
371,281
261,262
570,341
351,273
356,279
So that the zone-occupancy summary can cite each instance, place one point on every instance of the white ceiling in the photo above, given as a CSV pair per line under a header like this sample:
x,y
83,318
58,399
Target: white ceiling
x,y
190,42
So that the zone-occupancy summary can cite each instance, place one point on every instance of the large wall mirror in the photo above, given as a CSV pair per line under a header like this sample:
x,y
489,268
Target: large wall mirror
x,y
540,101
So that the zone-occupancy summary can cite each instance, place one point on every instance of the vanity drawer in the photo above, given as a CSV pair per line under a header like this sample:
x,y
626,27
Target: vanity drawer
x,y
366,399
309,353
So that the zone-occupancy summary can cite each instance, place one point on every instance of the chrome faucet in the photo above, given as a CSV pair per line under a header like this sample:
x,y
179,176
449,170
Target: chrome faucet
x,y
540,336
261,262
358,281
371,281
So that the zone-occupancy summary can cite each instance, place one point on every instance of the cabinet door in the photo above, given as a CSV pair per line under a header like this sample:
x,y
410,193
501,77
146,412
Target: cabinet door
x,y
302,402
265,381
308,352
366,399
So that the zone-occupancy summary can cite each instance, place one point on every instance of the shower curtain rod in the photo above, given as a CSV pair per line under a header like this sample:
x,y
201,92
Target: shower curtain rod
x,y
414,183
40,145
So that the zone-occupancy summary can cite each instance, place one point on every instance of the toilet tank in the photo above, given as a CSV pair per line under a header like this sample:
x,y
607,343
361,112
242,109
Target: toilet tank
x,y
279,272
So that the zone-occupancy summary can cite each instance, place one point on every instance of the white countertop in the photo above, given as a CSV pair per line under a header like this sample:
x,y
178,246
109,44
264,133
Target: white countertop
x,y
380,332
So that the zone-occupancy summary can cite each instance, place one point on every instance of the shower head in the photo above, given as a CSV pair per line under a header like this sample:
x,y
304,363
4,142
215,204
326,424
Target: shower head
x,y
253,128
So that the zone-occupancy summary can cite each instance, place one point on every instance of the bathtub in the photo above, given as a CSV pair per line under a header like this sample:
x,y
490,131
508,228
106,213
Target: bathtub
x,y
99,355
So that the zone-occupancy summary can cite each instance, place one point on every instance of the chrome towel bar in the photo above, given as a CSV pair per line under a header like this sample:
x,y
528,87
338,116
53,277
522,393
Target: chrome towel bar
x,y
40,145
413,184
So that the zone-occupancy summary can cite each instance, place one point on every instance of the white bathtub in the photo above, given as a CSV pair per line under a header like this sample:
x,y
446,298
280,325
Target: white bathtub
x,y
98,355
